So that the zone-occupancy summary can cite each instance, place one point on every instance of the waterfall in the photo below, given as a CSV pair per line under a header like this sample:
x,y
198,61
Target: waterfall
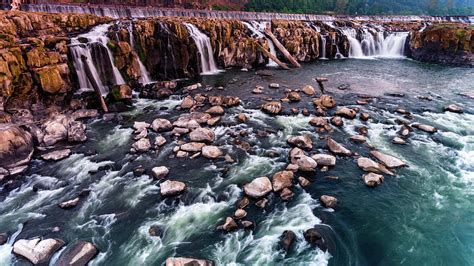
x,y
394,45
355,50
258,30
203,43
323,47
144,74
94,58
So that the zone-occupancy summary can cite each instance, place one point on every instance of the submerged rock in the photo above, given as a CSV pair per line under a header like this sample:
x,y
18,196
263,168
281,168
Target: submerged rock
x,y
286,194
369,165
286,239
259,187
328,201
262,203
181,261
372,179
78,253
172,188
337,148
56,155
3,238
36,250
388,160
281,180
398,140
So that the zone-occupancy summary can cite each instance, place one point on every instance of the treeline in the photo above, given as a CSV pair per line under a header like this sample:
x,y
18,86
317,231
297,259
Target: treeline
x,y
366,7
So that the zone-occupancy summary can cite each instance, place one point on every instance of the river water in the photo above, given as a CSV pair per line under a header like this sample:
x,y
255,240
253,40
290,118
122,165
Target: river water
x,y
421,216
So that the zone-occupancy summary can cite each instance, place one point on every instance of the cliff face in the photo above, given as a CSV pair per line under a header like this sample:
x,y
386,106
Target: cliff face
x,y
34,69
445,44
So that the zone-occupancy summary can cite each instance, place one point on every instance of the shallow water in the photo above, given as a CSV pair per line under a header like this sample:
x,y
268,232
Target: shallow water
x,y
421,216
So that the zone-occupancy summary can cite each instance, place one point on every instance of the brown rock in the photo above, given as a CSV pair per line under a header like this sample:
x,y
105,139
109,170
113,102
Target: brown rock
x,y
281,180
388,160
259,187
273,108
337,148
328,201
172,188
372,180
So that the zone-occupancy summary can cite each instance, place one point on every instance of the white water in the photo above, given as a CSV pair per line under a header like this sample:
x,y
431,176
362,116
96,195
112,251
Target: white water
x,y
6,254
323,46
78,50
203,43
144,74
259,29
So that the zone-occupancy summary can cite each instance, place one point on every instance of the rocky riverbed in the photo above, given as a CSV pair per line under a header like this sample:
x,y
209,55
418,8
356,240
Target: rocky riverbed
x,y
318,164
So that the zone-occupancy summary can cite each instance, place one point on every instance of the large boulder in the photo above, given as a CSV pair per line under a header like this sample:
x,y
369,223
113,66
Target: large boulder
x,y
160,172
281,180
369,165
259,187
302,142
202,135
304,162
179,261
172,188
36,250
16,146
78,253
55,130
388,160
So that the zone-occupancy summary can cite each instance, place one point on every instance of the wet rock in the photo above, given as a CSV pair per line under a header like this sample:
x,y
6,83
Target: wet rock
x,y
247,224
243,203
142,134
304,163
76,132
337,121
453,108
160,141
142,145
161,125
156,230
215,110
398,140
274,85
121,92
286,239
303,181
172,188
213,121
56,155
337,148
313,237
388,160
273,108
139,126
229,159
69,204
364,116
202,135
302,142
292,167
188,102
309,90
211,152
281,180
184,154
318,122
192,146
181,261
259,187
369,165
139,171
55,130
404,131
358,139
160,172
78,253
36,250
294,96
344,87
346,112
363,130
262,203
402,111
3,238
242,118
324,159
286,194
328,201
193,87
231,101
239,214
229,224
425,128
325,101
372,179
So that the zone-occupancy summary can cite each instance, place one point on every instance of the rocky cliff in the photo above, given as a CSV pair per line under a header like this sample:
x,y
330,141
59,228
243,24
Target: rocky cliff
x,y
445,44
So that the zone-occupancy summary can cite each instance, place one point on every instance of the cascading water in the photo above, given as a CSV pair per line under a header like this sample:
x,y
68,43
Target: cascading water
x,y
203,43
258,29
323,46
85,53
144,74
355,50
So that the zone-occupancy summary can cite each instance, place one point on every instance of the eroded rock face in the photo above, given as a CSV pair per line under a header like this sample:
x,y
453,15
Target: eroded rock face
x,y
259,187
36,250
16,146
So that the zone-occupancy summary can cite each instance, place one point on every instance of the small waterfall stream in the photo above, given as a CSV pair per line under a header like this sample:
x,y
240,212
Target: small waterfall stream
x,y
94,58
257,29
203,43
144,74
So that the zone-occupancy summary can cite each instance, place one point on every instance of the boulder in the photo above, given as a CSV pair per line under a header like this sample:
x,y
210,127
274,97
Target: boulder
x,y
346,112
328,201
139,126
172,188
142,145
202,135
398,140
325,101
303,181
188,102
364,116
239,214
243,203
372,179
161,125
358,139
160,141
211,152
56,155
388,160
76,132
286,239
229,224
180,261
369,165
319,122
454,109
16,146
294,96
78,253
313,237
213,121
192,146
242,118
37,251
337,121
55,130
216,110
309,90
259,187
426,128
337,148
272,108
160,172
324,159
286,194
305,163
302,142
121,92
274,85
281,180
